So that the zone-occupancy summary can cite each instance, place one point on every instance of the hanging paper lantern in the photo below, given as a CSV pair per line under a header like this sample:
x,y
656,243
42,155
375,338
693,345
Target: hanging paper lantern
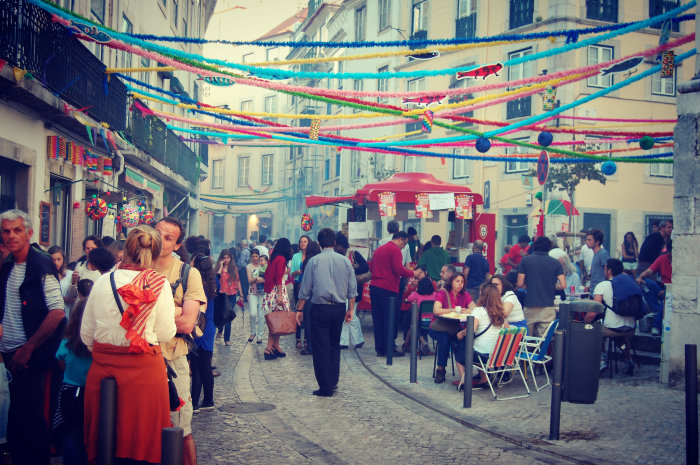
x,y
545,138
146,216
667,63
646,142
76,205
608,168
427,121
129,216
313,130
306,222
96,209
549,97
483,144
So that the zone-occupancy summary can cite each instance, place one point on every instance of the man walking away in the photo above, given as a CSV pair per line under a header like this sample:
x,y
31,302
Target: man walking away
x,y
330,280
476,270
243,260
538,273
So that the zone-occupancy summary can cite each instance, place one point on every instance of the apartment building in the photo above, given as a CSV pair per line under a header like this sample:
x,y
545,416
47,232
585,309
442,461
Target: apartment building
x,y
57,99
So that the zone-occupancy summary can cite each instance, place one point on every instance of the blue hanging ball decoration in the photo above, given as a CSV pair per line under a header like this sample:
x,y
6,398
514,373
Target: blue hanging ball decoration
x,y
608,168
646,142
483,144
545,138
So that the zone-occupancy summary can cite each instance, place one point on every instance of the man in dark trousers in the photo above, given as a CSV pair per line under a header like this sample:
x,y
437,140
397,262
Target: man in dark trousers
x,y
32,319
329,280
387,270
476,269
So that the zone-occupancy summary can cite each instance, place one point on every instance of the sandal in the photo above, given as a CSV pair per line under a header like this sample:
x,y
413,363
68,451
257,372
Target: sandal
x,y
250,339
299,346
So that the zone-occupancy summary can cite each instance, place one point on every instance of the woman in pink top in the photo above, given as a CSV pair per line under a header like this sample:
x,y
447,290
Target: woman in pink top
x,y
230,285
443,331
424,292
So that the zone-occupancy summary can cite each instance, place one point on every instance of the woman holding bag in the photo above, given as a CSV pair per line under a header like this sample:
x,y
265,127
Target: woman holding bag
x,y
276,298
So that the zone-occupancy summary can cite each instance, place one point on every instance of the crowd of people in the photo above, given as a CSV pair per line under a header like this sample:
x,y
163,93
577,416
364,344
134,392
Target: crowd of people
x,y
149,310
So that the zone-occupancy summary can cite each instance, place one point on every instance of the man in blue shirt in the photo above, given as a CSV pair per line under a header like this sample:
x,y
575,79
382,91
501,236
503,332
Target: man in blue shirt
x,y
330,281
476,270
594,240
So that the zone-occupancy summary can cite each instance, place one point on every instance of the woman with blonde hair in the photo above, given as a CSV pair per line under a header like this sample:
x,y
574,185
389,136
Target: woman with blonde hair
x,y
129,312
488,321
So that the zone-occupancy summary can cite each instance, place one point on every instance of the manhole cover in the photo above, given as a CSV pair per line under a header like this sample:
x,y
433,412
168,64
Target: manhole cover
x,y
246,407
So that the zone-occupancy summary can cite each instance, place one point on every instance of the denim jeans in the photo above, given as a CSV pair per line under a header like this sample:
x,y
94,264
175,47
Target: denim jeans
x,y
352,331
444,340
380,318
656,304
257,319
200,365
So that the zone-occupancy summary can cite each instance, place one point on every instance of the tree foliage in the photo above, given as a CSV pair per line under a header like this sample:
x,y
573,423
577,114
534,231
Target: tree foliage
x,y
567,176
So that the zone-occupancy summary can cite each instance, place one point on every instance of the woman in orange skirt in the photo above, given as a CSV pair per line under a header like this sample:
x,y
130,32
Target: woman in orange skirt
x,y
128,313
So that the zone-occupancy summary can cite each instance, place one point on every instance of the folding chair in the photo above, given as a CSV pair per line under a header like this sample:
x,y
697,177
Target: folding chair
x,y
424,324
533,350
503,360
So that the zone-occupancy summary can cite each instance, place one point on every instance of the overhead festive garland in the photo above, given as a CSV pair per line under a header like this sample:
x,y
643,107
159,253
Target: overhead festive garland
x,y
64,16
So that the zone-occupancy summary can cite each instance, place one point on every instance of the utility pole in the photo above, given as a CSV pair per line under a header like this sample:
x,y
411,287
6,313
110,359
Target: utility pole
x,y
684,312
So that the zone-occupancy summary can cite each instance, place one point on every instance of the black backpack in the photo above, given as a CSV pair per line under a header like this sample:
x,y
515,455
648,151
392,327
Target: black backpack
x,y
627,297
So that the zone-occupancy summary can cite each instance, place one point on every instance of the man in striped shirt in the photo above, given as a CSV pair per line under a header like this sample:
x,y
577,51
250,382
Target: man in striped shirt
x,y
32,317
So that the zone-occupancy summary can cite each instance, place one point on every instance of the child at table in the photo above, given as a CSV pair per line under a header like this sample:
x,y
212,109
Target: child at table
x,y
424,291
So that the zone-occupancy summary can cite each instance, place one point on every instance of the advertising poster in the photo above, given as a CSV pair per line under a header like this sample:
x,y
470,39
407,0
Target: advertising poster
x,y
387,204
463,206
423,206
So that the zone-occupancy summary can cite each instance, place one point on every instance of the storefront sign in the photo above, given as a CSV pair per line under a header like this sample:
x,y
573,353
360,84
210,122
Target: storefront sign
x,y
463,206
387,204
423,206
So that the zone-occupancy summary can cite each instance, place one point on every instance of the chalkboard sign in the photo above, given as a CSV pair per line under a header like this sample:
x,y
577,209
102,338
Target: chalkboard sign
x,y
45,224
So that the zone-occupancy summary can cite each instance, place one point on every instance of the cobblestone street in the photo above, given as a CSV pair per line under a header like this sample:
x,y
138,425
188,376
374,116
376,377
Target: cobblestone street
x,y
378,417
365,422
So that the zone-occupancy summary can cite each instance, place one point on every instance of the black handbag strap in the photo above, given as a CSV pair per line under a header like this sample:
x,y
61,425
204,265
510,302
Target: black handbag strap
x,y
482,332
116,294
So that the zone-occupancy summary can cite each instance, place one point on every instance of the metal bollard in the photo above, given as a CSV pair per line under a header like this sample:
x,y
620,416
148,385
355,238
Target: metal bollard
x,y
171,446
468,359
691,404
107,426
414,342
391,321
555,407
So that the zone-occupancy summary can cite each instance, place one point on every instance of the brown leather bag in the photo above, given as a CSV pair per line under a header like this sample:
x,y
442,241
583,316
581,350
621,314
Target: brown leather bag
x,y
281,323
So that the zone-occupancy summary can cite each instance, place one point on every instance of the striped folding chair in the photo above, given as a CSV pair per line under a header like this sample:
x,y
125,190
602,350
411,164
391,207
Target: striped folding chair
x,y
503,360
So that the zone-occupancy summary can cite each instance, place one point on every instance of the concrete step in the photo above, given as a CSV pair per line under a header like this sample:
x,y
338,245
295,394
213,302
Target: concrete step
x,y
647,342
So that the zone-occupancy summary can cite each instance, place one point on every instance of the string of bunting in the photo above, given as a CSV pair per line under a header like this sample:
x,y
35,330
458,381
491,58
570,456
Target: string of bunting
x,y
61,16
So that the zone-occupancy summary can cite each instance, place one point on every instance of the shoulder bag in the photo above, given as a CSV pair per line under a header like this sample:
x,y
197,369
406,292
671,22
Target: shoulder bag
x,y
443,325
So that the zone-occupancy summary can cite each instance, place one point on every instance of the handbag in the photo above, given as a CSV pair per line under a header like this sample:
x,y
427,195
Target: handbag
x,y
281,323
362,277
442,325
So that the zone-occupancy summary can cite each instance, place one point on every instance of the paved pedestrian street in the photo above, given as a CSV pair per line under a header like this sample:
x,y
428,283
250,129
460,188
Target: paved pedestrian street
x,y
378,417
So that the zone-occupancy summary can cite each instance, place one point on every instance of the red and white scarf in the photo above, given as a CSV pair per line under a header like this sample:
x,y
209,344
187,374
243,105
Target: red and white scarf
x,y
140,295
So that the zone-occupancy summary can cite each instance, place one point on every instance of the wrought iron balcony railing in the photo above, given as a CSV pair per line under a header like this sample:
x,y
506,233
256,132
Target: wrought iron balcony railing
x,y
29,40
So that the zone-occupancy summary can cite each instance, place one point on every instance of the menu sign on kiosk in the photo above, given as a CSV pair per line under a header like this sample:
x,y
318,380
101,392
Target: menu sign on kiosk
x,y
45,224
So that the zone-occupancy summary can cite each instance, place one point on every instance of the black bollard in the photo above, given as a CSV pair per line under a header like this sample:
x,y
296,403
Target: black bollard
x,y
391,321
107,426
468,359
414,342
691,404
555,407
171,446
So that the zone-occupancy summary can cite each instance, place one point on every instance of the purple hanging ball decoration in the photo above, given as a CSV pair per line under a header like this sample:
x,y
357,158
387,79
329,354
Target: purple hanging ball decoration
x,y
483,144
545,139
608,168
646,142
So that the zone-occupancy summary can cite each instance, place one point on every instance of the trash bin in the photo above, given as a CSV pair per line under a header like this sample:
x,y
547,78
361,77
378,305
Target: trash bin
x,y
583,345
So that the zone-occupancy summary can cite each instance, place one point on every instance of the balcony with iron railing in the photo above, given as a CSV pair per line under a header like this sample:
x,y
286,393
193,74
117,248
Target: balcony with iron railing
x,y
31,41
151,135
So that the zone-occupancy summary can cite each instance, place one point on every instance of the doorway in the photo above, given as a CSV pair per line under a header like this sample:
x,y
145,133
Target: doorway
x,y
516,226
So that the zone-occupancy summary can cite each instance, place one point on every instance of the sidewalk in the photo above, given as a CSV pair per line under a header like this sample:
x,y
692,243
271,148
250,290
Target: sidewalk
x,y
635,419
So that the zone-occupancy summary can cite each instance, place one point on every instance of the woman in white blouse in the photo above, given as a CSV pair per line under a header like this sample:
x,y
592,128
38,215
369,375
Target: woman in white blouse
x,y
128,313
512,308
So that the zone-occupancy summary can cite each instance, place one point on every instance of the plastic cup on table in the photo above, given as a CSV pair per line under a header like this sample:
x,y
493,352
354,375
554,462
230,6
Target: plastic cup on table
x,y
458,310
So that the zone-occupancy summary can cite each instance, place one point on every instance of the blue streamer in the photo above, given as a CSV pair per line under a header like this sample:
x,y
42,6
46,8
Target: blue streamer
x,y
396,74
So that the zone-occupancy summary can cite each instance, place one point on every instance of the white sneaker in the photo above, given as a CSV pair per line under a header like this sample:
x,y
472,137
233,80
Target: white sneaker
x,y
655,332
603,365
